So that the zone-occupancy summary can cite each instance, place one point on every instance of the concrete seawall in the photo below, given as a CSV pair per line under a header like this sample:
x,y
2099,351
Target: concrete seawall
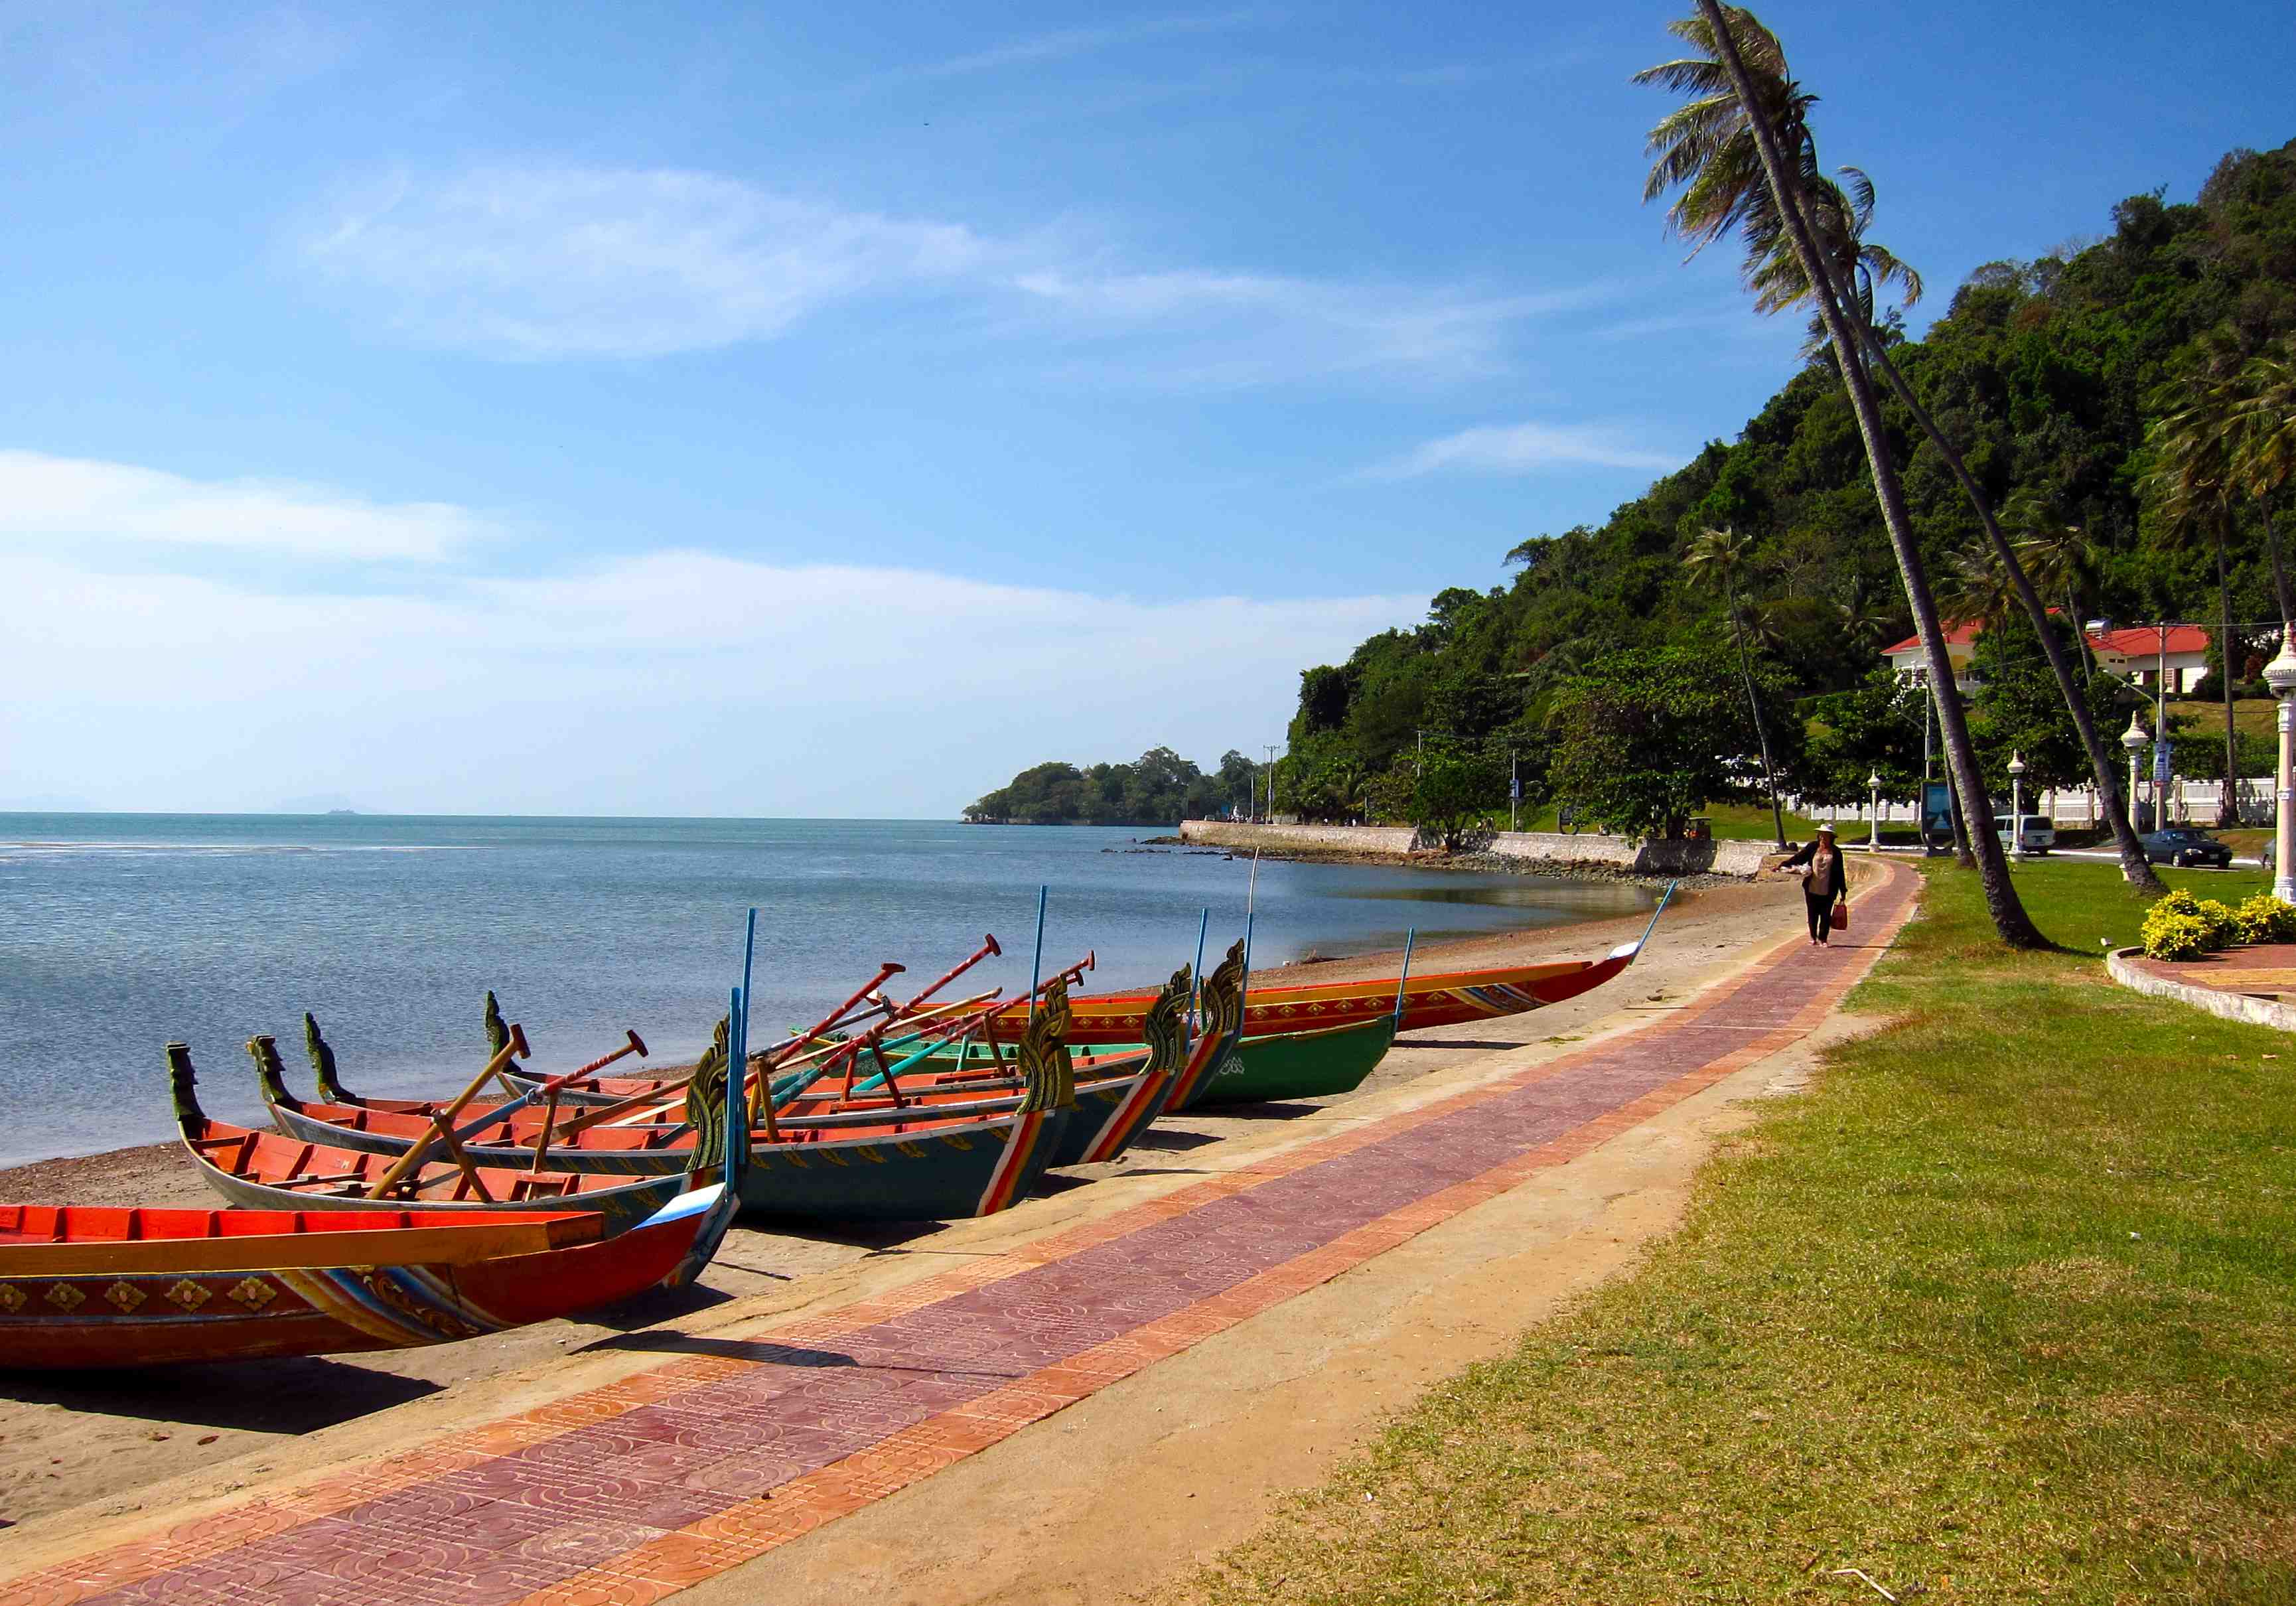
x,y
1538,850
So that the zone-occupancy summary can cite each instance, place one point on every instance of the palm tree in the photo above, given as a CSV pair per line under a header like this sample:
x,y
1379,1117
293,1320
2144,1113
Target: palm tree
x,y
1819,238
2193,478
1718,555
2057,553
2264,448
1736,153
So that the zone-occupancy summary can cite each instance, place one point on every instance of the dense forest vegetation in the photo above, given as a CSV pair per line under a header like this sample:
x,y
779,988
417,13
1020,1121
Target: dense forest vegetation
x,y
2046,372
1160,788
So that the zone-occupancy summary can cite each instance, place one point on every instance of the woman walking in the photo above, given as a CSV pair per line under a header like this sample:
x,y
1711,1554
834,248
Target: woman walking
x,y
1823,882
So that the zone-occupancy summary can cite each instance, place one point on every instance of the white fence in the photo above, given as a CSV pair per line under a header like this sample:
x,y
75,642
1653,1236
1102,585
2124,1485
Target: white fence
x,y
2077,807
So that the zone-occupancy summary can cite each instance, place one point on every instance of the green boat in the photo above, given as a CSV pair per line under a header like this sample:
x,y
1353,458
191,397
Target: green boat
x,y
1298,1065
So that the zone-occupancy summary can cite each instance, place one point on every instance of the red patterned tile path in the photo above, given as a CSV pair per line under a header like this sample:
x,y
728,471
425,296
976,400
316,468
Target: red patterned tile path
x,y
630,1493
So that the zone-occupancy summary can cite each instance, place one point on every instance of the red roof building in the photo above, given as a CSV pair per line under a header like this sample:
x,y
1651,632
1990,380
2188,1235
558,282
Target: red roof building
x,y
2133,651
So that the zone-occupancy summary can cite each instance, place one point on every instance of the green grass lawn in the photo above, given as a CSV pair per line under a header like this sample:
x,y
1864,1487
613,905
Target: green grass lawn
x,y
2004,1308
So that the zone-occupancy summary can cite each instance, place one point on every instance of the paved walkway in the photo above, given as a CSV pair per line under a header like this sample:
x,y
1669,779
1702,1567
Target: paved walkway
x,y
629,1493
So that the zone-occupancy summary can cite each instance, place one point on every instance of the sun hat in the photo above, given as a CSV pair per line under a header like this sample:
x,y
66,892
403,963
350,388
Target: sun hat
x,y
1826,827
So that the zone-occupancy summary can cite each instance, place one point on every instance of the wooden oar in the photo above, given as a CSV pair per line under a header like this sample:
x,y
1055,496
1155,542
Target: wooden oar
x,y
1074,972
442,1123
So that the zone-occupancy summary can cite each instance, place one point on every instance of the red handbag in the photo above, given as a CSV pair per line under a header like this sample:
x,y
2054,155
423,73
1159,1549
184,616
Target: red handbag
x,y
1841,915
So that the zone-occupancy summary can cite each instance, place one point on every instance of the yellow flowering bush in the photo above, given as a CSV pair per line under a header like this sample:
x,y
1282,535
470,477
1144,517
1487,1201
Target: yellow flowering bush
x,y
2181,926
2264,918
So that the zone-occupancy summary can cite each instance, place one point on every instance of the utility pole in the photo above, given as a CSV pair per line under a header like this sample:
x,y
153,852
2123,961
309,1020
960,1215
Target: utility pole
x,y
1514,793
1271,747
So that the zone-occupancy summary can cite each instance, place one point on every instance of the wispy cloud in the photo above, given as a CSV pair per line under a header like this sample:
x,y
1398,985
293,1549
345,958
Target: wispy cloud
x,y
676,682
1527,448
604,262
570,262
65,502
1065,43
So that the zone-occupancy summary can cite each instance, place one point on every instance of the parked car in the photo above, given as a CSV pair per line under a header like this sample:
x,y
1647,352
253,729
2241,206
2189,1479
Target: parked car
x,y
2185,845
2032,833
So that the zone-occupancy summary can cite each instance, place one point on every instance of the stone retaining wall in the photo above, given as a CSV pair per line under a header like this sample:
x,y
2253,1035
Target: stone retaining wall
x,y
1538,850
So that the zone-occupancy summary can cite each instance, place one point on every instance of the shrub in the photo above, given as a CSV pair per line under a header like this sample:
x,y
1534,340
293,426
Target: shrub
x,y
2167,934
2264,918
2223,926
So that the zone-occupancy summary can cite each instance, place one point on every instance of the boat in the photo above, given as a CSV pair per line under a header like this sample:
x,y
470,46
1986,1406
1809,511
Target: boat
x,y
1443,998
273,1171
962,1152
1316,1064
87,1287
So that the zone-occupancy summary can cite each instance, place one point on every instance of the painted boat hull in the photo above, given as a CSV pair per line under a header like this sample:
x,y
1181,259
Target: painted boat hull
x,y
1446,999
145,1317
972,1168
1298,1065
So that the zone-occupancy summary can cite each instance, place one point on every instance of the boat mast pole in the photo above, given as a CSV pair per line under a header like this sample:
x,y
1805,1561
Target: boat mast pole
x,y
1036,964
1196,976
1243,984
1410,935
738,1068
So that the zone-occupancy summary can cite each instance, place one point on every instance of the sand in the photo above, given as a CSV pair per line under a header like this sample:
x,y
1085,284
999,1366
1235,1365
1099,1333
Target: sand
x,y
89,1452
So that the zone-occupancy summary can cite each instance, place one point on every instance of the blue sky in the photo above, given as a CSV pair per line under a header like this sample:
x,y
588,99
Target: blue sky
x,y
652,409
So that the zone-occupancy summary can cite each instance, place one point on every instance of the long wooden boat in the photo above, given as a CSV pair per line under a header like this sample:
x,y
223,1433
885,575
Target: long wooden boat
x,y
268,1170
1116,1097
1445,998
84,1287
1298,1065
964,1155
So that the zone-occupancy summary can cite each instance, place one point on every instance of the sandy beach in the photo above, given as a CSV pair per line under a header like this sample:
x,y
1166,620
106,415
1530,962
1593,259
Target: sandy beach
x,y
80,1450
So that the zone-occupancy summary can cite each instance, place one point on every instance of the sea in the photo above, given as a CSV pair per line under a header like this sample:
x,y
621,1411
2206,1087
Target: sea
x,y
120,933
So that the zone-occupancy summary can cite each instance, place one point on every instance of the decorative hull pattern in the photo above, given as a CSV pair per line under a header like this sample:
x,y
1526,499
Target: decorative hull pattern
x,y
210,1305
1298,1065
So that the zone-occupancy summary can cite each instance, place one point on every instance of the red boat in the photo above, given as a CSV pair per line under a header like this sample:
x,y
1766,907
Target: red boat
x,y
84,1287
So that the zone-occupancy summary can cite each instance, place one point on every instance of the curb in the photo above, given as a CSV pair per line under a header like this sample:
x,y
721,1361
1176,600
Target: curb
x,y
2231,1006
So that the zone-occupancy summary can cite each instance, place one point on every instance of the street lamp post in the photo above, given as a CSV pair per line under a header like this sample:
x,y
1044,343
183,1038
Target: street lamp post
x,y
2280,675
1873,785
2016,802
2134,740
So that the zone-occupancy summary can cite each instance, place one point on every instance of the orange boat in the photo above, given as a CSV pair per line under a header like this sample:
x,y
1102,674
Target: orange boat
x,y
1445,998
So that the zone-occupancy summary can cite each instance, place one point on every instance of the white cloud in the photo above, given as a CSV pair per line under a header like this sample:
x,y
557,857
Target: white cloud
x,y
571,262
1526,448
676,682
1061,45
50,501
602,262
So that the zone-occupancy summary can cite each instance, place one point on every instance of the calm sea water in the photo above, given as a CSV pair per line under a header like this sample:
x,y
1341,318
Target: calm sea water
x,y
119,932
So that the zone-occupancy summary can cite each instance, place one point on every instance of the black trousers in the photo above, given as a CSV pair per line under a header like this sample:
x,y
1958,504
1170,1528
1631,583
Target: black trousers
x,y
1821,913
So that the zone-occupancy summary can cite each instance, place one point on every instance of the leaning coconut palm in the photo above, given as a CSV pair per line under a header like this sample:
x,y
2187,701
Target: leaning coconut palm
x,y
1717,556
1735,153
1830,220
2193,482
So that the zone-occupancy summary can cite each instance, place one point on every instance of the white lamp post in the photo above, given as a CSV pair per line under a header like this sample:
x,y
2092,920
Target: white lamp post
x,y
2280,675
2134,740
2016,802
1873,785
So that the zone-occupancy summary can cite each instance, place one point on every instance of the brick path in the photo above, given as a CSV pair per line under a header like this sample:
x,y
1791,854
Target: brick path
x,y
630,1493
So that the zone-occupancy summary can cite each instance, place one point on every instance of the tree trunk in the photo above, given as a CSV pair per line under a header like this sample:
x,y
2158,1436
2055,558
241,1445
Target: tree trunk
x,y
2228,810
2010,920
2135,868
2279,571
1754,706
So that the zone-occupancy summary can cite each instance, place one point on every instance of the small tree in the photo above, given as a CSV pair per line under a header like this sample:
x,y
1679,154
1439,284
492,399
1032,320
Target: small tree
x,y
1454,788
1872,730
1645,739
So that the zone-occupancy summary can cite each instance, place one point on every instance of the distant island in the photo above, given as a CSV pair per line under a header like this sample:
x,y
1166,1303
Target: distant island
x,y
342,811
1160,788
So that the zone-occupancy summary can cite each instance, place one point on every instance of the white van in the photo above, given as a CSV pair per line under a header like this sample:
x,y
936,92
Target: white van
x,y
2028,834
